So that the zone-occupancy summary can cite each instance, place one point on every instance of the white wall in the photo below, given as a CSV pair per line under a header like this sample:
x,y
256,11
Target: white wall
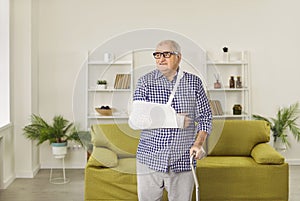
x,y
7,163
24,88
4,63
269,29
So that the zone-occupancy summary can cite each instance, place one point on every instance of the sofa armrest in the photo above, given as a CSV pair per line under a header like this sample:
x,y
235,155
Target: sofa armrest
x,y
263,153
103,157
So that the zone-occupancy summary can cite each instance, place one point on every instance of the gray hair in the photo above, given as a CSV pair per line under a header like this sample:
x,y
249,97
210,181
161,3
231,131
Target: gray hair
x,y
172,44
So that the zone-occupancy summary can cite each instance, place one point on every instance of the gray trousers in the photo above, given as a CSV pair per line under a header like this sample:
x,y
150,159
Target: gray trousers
x,y
151,184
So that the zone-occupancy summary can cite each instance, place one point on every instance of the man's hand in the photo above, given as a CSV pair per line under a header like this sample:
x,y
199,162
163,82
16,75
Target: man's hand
x,y
183,120
198,151
197,148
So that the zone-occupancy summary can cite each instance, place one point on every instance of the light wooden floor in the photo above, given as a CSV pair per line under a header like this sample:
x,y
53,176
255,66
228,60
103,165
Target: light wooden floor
x,y
39,188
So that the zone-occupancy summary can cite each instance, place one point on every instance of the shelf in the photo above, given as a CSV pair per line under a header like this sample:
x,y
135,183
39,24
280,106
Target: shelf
x,y
108,90
119,75
96,116
226,62
229,89
244,115
237,65
110,63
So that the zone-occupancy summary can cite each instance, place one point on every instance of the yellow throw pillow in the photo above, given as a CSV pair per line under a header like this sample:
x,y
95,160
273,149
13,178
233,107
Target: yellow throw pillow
x,y
103,157
265,154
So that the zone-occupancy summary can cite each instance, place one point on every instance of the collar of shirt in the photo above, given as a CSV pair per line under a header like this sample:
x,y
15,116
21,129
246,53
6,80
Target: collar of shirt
x,y
159,74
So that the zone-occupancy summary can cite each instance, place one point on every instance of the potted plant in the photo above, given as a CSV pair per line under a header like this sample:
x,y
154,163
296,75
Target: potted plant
x,y
285,121
101,84
58,133
225,54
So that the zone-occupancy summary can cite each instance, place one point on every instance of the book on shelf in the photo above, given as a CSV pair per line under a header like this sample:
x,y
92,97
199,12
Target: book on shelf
x,y
216,107
122,81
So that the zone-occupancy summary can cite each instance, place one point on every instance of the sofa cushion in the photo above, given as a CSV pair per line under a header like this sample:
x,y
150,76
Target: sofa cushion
x,y
237,137
126,165
265,154
107,184
119,138
237,178
103,157
226,162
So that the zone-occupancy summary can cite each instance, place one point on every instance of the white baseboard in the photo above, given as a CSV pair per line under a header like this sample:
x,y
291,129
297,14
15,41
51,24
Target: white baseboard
x,y
36,170
59,167
8,181
293,161
28,174
24,174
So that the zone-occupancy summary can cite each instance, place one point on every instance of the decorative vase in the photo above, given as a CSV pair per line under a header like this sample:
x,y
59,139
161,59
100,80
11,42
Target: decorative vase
x,y
238,83
108,57
217,85
231,82
226,56
279,145
237,109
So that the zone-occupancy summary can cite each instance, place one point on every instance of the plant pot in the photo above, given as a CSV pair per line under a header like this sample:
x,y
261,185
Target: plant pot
x,y
59,150
279,145
101,86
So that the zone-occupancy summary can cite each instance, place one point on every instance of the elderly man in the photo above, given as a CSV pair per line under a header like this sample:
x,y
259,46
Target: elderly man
x,y
163,155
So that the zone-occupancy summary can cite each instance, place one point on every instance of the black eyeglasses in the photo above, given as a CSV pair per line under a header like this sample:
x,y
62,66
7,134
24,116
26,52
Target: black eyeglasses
x,y
157,55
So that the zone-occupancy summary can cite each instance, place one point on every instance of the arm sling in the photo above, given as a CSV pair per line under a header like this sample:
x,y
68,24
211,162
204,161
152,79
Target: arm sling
x,y
148,115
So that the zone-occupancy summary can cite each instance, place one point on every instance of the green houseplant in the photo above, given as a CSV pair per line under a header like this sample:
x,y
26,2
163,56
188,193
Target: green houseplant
x,y
101,84
57,134
286,120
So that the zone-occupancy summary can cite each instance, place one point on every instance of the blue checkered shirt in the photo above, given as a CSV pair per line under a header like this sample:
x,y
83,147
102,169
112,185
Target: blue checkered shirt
x,y
166,149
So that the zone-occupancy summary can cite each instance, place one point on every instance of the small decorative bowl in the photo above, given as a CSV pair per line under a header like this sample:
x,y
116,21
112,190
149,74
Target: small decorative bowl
x,y
104,112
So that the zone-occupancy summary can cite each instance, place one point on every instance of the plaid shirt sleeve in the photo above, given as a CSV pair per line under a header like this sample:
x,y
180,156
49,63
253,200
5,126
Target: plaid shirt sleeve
x,y
203,112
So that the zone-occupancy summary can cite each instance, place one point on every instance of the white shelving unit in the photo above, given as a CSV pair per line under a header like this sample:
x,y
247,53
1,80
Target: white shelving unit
x,y
117,99
237,65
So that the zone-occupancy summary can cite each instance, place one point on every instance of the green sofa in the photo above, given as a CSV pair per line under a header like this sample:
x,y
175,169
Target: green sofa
x,y
240,164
